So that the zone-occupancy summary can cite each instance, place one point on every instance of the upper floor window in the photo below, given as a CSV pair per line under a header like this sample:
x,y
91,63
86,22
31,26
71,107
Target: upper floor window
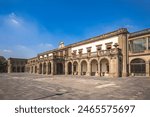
x,y
74,52
80,51
99,47
88,49
138,45
108,46
61,53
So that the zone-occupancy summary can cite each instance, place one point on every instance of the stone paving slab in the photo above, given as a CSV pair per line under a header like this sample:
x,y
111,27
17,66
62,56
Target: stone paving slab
x,y
24,86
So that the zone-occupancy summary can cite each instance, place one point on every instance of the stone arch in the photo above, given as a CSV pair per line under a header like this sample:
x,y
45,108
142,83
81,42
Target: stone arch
x,y
69,66
104,67
83,67
60,68
22,69
35,69
40,68
18,69
138,58
49,68
44,68
94,67
138,67
14,69
31,69
75,68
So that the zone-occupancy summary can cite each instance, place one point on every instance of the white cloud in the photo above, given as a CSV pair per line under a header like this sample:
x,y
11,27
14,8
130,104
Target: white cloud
x,y
7,51
23,36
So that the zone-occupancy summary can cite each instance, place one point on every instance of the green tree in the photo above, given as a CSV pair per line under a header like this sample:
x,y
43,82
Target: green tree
x,y
3,64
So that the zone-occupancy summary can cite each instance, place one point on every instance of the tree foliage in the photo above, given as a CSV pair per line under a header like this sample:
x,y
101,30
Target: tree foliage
x,y
3,64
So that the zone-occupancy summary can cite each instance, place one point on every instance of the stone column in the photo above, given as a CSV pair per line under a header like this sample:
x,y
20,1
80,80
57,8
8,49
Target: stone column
x,y
52,68
31,69
79,69
111,67
47,68
88,73
42,68
9,68
72,69
123,44
66,69
147,69
38,68
116,66
98,69
146,43
129,70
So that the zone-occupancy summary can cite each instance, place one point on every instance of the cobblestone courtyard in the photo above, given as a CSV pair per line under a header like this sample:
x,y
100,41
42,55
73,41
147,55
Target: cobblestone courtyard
x,y
42,87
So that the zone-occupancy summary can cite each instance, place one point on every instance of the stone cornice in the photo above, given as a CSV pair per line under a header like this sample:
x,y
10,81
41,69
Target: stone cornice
x,y
101,37
93,39
139,33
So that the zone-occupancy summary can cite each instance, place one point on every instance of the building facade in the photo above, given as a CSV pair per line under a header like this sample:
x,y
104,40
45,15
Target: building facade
x,y
16,65
114,54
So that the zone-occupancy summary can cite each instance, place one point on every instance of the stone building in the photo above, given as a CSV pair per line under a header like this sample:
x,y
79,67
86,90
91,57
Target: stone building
x,y
139,53
104,55
114,54
16,65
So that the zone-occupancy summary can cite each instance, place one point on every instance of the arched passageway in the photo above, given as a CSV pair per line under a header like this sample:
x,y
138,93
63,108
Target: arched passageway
x,y
69,68
23,69
59,68
94,67
75,68
18,69
83,67
35,69
44,68
14,69
31,69
49,68
104,67
138,67
40,68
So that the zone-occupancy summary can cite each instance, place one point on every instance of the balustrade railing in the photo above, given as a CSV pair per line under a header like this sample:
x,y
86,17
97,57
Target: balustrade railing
x,y
109,52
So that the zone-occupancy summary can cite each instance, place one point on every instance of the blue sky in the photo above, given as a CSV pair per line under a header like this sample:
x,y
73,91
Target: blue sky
x,y
28,27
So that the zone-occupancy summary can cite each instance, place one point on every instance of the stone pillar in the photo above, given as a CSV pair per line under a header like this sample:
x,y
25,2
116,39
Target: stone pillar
x,y
47,68
52,68
147,69
38,68
72,69
123,45
111,67
117,66
9,68
31,69
88,73
98,70
79,69
129,70
66,69
42,68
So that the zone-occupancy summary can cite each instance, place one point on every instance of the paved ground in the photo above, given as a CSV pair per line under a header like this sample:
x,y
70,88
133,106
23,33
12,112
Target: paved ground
x,y
43,87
